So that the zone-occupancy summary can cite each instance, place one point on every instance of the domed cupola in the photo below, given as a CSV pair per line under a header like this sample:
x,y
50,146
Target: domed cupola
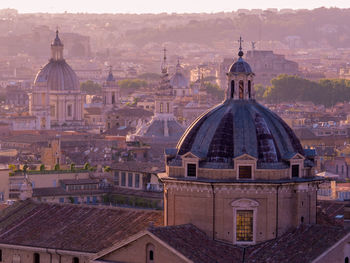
x,y
178,79
57,75
240,79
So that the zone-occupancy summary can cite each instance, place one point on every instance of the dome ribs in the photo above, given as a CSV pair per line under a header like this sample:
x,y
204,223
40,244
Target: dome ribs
x,y
221,146
196,133
244,131
236,127
59,76
266,147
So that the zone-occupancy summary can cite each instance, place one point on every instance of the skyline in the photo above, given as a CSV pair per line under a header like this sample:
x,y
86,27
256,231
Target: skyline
x,y
156,6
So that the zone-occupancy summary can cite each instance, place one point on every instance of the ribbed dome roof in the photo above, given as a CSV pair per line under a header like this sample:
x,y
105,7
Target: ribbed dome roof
x,y
58,75
241,66
236,127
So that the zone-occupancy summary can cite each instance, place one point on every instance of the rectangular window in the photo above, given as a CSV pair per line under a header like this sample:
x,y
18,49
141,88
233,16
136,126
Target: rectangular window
x,y
295,170
123,179
191,170
245,172
137,180
116,178
130,179
244,225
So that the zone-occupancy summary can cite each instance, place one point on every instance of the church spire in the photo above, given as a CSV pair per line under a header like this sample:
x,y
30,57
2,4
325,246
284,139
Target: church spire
x,y
57,48
164,66
240,52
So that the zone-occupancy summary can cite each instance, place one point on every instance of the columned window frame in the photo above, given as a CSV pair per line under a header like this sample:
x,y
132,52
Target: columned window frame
x,y
249,205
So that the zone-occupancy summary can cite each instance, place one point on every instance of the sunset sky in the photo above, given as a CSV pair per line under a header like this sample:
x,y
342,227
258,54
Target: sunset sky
x,y
157,6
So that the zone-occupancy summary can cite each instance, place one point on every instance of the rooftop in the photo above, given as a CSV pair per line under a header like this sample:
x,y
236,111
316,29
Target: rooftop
x,y
300,245
71,227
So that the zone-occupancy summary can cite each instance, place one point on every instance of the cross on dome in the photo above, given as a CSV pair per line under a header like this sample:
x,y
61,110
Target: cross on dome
x,y
240,53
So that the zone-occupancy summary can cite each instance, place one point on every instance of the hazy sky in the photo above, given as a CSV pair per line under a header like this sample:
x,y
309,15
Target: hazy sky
x,y
157,6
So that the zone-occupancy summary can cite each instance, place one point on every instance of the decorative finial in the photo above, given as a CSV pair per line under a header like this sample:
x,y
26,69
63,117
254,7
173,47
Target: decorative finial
x,y
164,58
164,68
240,53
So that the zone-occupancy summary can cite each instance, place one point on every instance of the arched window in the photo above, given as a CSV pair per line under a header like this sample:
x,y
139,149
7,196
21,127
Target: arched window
x,y
346,260
232,89
167,107
75,260
113,98
36,258
249,89
241,90
302,219
150,253
161,107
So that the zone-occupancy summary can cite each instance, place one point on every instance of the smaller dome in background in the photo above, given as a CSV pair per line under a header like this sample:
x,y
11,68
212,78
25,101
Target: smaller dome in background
x,y
178,79
59,76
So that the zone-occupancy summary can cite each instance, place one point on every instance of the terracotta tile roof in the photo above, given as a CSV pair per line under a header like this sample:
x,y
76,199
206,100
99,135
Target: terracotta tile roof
x,y
196,245
304,244
141,167
60,191
301,245
71,227
327,212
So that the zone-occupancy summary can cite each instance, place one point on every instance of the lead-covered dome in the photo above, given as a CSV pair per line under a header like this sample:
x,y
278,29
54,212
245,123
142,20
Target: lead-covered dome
x,y
241,66
238,127
57,75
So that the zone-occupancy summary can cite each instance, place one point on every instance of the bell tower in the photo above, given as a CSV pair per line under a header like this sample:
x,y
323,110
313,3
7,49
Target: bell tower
x,y
110,90
240,79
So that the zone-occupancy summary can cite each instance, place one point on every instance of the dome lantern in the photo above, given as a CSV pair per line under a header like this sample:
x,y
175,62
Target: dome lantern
x,y
57,48
240,78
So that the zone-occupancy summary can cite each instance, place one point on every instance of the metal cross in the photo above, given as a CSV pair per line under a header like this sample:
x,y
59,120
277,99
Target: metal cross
x,y
240,43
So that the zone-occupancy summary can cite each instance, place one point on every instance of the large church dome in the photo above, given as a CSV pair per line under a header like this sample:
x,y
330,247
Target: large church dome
x,y
236,127
57,74
239,126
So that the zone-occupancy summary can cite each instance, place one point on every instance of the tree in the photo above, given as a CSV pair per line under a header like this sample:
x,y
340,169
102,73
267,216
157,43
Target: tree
x,y
12,167
107,169
42,167
259,92
25,168
128,86
214,90
57,167
86,166
90,87
72,166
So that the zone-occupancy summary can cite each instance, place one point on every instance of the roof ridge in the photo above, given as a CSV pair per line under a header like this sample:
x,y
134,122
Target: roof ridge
x,y
102,207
